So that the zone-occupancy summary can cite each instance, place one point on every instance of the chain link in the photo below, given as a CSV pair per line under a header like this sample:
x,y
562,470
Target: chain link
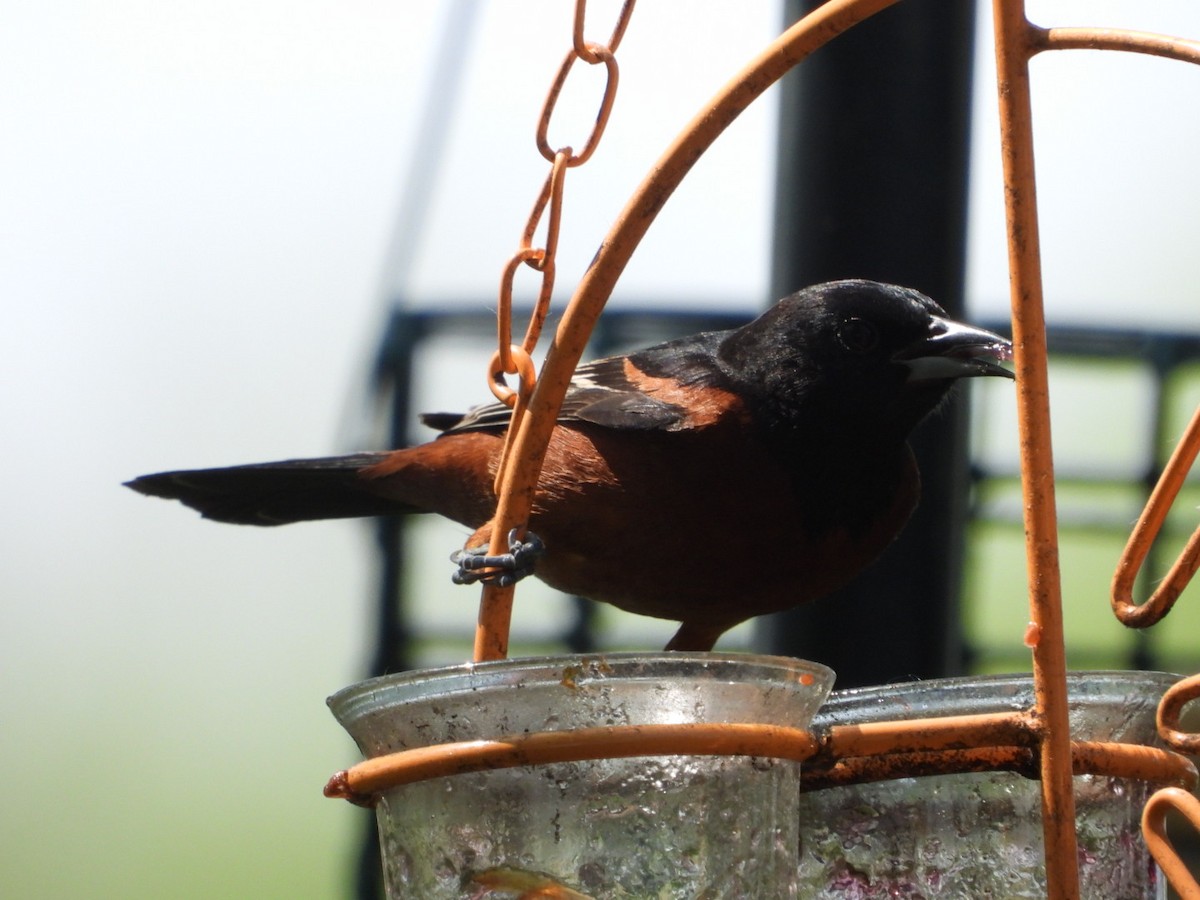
x,y
582,47
511,359
603,55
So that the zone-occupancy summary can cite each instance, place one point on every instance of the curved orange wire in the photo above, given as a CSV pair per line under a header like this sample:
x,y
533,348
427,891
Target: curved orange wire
x,y
604,742
1154,829
1170,709
1144,533
925,752
1145,42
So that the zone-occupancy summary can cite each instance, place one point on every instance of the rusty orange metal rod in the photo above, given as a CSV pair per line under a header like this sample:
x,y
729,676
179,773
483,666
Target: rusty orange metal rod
x,y
820,774
529,445
1016,41
1162,45
605,742
383,773
1132,761
948,732
1135,761
1026,269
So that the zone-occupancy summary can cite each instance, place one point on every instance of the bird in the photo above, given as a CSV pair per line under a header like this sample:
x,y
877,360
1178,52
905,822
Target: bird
x,y
706,480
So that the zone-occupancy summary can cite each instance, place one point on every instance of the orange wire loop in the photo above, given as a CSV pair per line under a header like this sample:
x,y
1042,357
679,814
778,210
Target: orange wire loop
x,y
1170,712
551,195
521,365
1154,829
1144,534
584,47
539,261
606,104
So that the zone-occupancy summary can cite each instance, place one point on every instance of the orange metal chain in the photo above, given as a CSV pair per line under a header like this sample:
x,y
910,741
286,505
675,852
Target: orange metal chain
x,y
495,607
510,359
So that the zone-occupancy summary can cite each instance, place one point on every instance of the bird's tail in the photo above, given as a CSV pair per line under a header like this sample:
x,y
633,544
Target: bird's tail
x,y
294,490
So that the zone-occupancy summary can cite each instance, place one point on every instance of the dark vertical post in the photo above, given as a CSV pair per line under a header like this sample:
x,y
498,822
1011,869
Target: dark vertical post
x,y
872,183
394,371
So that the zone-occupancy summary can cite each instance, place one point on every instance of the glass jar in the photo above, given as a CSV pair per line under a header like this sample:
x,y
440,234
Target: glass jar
x,y
661,827
980,835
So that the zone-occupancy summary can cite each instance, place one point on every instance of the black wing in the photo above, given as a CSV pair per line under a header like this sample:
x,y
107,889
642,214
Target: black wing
x,y
603,393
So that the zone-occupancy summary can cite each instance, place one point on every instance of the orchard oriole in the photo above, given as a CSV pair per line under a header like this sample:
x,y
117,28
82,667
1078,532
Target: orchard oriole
x,y
706,480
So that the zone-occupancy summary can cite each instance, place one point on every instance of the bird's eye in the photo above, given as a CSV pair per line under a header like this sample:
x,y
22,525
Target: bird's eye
x,y
858,335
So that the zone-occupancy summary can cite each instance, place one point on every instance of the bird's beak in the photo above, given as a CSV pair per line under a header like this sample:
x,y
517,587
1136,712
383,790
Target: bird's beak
x,y
954,350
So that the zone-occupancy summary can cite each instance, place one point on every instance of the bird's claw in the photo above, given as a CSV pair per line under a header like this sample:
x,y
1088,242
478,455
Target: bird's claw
x,y
504,570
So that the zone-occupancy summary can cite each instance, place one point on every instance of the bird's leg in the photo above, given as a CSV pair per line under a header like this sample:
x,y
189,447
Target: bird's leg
x,y
474,565
695,638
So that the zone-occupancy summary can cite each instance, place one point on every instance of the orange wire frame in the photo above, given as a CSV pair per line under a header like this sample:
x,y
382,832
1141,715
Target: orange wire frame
x,y
1038,741
845,755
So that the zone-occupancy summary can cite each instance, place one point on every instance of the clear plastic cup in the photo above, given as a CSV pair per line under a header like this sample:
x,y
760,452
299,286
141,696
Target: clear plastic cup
x,y
980,835
660,827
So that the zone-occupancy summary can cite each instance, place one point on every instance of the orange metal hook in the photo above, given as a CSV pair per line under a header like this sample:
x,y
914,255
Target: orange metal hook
x,y
1170,709
1154,829
1144,533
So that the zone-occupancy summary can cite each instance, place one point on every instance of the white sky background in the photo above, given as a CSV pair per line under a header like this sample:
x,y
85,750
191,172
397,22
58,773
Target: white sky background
x,y
1117,173
195,204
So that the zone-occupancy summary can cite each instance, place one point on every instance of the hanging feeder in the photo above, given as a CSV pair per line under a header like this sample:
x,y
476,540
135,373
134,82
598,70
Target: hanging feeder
x,y
675,775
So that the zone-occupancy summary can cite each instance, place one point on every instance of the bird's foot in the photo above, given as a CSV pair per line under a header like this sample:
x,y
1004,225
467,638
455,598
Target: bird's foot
x,y
504,570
